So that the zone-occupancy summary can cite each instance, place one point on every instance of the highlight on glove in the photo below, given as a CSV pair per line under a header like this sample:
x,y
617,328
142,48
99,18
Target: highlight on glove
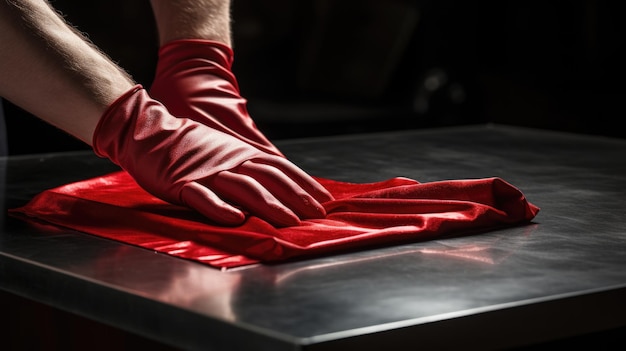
x,y
194,79
187,163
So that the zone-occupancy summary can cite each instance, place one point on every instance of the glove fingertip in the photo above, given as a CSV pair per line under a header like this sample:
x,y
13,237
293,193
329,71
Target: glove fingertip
x,y
210,205
324,196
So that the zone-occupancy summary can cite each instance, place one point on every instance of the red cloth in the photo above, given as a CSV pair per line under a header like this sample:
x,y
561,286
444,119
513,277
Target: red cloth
x,y
362,215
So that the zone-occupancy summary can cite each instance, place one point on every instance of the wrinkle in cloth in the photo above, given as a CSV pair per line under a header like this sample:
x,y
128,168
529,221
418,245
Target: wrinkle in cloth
x,y
363,215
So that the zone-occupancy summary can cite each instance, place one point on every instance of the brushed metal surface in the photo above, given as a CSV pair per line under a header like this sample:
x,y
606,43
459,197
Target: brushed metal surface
x,y
562,275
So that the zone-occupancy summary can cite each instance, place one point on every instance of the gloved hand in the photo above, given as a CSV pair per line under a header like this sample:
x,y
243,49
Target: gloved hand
x,y
194,79
187,163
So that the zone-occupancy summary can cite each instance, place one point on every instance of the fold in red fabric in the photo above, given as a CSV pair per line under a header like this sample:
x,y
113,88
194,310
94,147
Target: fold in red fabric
x,y
363,215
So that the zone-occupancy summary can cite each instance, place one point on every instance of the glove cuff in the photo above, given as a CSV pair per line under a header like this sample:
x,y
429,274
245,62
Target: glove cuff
x,y
185,49
104,128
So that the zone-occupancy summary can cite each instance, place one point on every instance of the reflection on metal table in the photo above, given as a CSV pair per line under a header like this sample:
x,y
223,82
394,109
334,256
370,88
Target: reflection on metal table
x,y
561,276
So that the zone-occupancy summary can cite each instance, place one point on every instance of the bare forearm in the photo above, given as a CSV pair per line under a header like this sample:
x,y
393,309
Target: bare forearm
x,y
192,19
50,70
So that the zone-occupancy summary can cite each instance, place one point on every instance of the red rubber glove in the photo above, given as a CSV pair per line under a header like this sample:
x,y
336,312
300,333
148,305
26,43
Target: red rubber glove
x,y
187,163
194,79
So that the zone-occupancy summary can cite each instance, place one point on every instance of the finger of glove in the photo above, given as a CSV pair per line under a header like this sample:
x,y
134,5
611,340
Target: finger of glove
x,y
285,189
247,193
297,175
207,203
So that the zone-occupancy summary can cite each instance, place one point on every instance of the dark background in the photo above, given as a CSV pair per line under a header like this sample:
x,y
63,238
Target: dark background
x,y
322,67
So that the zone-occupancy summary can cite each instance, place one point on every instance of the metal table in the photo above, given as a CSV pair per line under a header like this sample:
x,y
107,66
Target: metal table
x,y
562,275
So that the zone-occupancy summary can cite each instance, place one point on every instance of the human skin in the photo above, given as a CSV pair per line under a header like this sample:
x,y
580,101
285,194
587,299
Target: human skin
x,y
192,19
52,71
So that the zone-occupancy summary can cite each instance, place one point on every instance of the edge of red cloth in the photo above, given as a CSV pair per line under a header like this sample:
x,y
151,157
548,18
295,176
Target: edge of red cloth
x,y
362,215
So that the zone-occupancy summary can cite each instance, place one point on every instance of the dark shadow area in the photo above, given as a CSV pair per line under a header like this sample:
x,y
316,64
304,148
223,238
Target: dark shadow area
x,y
36,326
321,67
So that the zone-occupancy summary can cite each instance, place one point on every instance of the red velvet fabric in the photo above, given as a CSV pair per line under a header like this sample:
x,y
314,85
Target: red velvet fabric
x,y
362,215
